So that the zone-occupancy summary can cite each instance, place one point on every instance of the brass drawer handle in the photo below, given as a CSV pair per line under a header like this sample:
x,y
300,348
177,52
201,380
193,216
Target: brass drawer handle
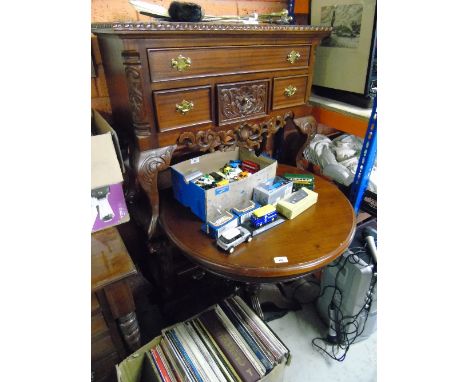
x,y
293,56
184,107
181,63
290,90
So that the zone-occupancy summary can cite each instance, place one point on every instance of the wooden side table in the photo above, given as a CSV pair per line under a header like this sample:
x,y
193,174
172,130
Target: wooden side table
x,y
309,242
114,327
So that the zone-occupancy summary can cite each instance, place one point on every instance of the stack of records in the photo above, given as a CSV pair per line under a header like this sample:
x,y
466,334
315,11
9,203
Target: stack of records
x,y
227,343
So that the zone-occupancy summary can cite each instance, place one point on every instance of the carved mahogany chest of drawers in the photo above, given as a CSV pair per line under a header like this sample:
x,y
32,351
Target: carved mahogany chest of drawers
x,y
202,84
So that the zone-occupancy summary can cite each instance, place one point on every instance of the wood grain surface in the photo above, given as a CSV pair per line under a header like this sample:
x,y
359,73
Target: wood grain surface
x,y
280,100
110,260
310,241
165,104
216,61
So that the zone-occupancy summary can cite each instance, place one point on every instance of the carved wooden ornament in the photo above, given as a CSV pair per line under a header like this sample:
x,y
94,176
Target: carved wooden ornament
x,y
245,135
135,93
148,164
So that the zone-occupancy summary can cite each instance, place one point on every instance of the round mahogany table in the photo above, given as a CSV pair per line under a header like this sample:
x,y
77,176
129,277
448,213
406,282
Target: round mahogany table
x,y
310,241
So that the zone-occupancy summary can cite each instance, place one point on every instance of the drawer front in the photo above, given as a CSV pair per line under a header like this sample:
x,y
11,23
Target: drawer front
x,y
101,348
182,107
98,325
242,100
289,91
173,64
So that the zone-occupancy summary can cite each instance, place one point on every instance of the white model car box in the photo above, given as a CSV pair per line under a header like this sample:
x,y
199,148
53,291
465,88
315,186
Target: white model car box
x,y
263,195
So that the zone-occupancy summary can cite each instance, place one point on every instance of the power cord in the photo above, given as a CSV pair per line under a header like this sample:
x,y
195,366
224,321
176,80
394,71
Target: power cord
x,y
344,330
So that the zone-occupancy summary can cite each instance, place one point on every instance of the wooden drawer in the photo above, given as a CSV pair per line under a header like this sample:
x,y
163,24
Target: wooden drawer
x,y
98,325
101,348
242,100
182,107
224,60
289,91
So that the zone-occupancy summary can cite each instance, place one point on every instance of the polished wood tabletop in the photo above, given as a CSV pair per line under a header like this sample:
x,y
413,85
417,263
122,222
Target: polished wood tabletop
x,y
110,260
310,241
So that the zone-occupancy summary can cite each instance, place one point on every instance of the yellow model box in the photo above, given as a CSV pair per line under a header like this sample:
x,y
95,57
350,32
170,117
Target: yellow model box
x,y
296,203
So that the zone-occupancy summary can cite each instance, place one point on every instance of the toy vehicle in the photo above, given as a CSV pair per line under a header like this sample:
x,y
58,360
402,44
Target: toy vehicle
x,y
250,166
301,180
205,180
277,184
231,172
232,237
222,182
226,170
234,163
217,176
263,215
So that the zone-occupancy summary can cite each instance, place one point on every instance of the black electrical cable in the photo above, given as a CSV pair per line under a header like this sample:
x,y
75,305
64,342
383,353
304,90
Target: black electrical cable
x,y
342,323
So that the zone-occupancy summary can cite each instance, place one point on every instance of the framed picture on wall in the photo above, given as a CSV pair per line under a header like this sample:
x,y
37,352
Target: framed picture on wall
x,y
346,62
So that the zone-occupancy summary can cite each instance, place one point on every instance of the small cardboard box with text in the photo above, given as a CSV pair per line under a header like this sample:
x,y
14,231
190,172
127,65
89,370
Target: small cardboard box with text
x,y
108,206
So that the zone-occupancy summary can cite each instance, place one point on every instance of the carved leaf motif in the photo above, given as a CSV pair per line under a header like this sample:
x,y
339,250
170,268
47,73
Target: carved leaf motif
x,y
157,161
148,164
242,101
245,135
208,140
135,95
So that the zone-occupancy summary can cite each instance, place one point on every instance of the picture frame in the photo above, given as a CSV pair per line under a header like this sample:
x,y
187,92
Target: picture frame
x,y
345,60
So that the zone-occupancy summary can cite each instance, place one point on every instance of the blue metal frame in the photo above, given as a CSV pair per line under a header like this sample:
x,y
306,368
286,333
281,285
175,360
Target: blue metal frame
x,y
366,161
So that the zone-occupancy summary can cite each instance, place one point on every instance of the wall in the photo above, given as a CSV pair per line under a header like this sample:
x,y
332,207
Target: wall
x,y
122,10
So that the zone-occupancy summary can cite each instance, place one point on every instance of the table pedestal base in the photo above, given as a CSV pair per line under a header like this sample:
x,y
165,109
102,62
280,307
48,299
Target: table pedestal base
x,y
254,293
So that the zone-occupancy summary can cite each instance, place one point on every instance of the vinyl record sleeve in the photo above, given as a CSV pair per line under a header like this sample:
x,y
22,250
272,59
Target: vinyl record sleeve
x,y
226,322
166,363
160,366
226,343
192,351
264,328
264,338
173,361
179,353
204,352
225,366
247,338
150,371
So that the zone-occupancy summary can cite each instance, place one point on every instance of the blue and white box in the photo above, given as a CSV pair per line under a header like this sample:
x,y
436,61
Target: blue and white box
x,y
221,222
207,203
243,213
272,191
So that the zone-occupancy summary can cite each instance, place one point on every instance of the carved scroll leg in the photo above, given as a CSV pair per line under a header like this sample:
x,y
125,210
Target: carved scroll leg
x,y
307,126
148,164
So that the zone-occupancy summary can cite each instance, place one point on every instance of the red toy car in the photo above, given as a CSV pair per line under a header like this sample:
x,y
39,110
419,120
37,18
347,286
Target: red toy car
x,y
250,166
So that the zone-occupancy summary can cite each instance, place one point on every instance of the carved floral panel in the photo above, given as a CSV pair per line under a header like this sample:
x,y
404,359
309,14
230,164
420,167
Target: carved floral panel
x,y
242,101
